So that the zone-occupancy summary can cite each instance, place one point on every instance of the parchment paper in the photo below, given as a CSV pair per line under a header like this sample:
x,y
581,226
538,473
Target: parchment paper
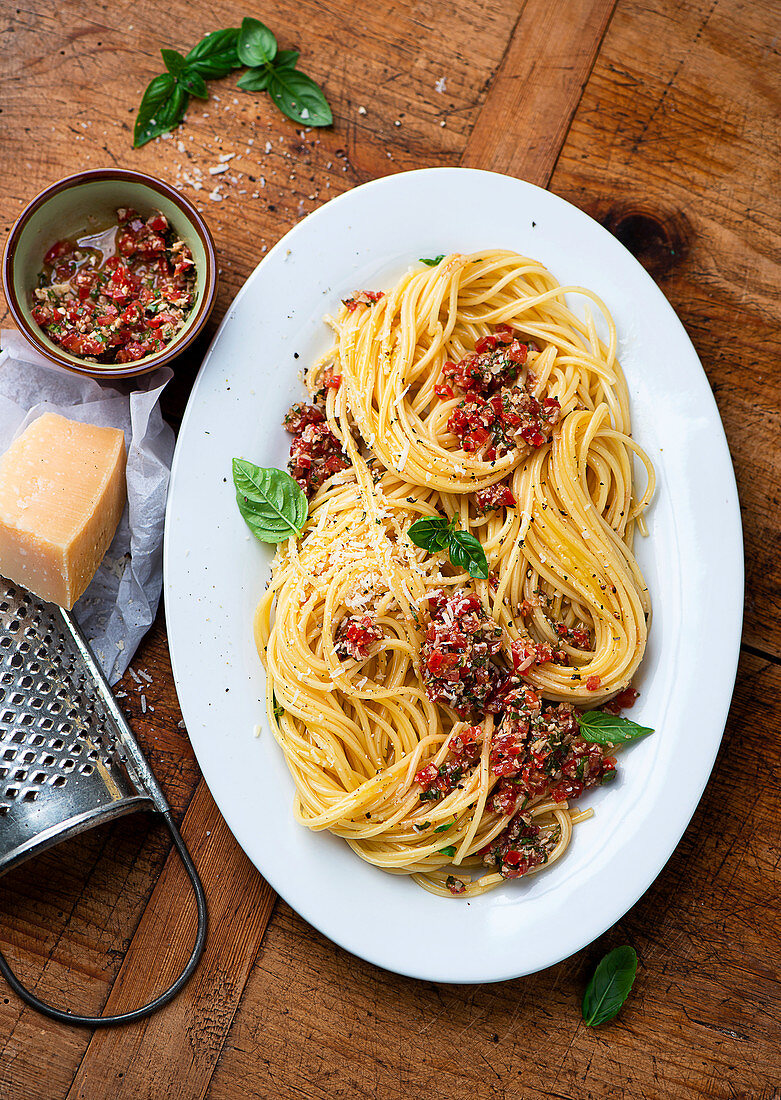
x,y
120,604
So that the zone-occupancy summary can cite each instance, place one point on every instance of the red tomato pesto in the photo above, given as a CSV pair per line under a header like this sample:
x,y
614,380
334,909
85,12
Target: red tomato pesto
x,y
118,295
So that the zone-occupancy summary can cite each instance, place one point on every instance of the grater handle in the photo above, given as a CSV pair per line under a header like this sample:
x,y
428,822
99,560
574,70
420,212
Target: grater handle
x,y
65,1017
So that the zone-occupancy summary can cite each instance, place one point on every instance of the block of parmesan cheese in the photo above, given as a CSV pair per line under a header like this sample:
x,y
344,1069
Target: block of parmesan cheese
x,y
62,492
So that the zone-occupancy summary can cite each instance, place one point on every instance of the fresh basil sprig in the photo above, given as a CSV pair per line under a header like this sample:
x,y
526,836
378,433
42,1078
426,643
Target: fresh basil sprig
x,y
434,262
450,851
433,533
609,729
609,986
257,44
269,69
273,504
216,55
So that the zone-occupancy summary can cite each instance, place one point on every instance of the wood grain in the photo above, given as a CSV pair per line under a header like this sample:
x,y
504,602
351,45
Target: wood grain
x,y
535,93
663,122
187,1036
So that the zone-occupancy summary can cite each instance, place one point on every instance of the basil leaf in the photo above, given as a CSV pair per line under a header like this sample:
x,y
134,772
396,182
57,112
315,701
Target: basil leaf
x,y
449,851
298,97
257,44
430,533
286,59
215,55
434,262
444,828
174,61
192,80
609,986
254,80
271,502
279,710
162,108
609,729
467,553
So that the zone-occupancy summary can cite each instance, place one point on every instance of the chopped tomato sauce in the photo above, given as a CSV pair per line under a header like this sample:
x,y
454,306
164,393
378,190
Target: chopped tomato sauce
x,y
456,655
315,452
520,847
119,295
362,298
495,496
356,636
542,753
495,362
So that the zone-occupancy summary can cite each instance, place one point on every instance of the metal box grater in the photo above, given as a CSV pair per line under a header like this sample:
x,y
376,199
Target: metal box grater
x,y
68,759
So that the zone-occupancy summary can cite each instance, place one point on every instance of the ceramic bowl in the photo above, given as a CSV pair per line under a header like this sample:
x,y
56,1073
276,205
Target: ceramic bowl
x,y
65,209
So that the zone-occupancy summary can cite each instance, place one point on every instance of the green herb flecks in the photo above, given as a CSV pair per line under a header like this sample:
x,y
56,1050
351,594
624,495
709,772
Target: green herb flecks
x,y
432,263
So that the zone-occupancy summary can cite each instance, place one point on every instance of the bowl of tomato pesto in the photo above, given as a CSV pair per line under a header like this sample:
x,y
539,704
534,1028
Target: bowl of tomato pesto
x,y
110,273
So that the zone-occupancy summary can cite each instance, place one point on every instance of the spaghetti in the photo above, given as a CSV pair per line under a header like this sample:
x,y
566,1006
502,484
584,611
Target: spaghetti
x,y
429,716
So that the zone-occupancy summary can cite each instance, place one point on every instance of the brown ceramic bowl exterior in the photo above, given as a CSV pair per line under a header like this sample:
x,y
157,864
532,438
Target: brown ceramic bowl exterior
x,y
59,211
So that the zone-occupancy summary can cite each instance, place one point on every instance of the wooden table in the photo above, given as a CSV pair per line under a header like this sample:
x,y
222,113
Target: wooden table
x,y
661,120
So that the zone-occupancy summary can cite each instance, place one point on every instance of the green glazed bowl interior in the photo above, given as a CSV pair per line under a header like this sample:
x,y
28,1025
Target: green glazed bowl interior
x,y
83,205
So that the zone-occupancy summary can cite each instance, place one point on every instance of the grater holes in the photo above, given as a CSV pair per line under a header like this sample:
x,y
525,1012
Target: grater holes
x,y
27,719
8,716
47,760
86,769
28,757
18,736
5,643
57,744
13,626
11,793
76,748
58,781
68,765
36,703
30,796
20,775
39,777
3,773
16,661
18,698
3,809
9,754
36,739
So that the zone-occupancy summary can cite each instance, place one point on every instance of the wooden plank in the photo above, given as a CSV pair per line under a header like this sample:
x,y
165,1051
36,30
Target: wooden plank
x,y
172,1054
69,915
674,134
701,1021
674,148
536,91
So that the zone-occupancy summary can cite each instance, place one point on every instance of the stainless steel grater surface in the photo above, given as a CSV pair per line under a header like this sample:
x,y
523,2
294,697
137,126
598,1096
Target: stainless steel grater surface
x,y
68,759
66,762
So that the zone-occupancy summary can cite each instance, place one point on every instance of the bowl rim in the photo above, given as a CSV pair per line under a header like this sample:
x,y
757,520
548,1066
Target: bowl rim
x,y
177,345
